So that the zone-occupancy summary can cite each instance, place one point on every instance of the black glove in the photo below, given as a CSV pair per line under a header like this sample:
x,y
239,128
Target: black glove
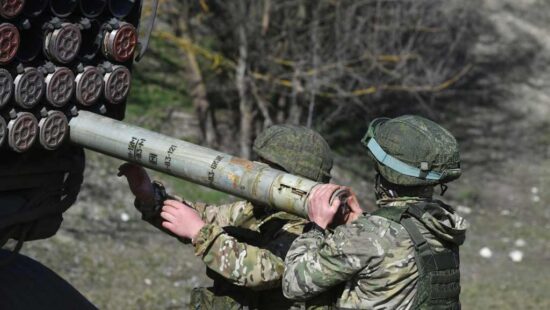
x,y
151,212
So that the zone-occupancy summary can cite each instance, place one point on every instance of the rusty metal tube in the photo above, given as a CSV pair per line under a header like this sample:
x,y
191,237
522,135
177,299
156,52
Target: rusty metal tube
x,y
253,181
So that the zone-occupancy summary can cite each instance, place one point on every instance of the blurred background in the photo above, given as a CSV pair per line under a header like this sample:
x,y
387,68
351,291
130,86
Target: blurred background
x,y
218,72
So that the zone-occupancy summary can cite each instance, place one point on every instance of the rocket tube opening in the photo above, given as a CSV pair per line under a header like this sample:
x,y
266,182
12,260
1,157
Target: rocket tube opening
x,y
29,88
117,84
53,130
9,42
34,8
60,87
22,132
121,8
62,45
11,8
89,86
120,44
92,8
62,8
6,88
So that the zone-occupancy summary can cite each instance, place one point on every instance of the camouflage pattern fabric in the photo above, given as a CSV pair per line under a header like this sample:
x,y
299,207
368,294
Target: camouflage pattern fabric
x,y
297,149
245,245
256,263
373,256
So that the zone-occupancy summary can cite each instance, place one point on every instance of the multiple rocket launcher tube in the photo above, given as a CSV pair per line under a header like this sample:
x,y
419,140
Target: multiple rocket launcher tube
x,y
10,9
58,56
253,181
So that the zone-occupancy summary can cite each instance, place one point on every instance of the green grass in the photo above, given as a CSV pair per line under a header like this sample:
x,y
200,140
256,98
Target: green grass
x,y
149,98
158,82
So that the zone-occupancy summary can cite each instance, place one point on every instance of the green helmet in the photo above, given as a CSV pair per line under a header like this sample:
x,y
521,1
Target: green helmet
x,y
299,150
413,151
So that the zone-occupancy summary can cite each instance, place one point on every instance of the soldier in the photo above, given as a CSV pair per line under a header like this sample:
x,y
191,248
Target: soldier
x,y
403,256
243,245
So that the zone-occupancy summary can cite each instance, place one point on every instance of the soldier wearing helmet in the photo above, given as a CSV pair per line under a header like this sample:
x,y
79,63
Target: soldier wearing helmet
x,y
243,245
403,256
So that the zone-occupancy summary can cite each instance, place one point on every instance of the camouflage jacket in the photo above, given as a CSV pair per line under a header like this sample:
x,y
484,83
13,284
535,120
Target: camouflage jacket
x,y
244,244
373,257
243,247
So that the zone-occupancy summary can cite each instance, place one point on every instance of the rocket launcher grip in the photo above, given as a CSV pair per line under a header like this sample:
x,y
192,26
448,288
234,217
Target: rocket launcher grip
x,y
252,181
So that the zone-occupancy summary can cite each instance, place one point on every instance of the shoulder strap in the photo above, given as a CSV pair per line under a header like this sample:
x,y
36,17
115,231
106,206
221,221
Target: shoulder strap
x,y
431,261
390,213
420,244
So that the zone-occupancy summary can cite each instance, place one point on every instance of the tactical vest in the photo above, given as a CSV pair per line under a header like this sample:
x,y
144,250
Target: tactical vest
x,y
438,286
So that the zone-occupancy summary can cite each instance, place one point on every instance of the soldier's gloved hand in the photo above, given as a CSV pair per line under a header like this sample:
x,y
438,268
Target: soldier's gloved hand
x,y
139,182
181,220
320,210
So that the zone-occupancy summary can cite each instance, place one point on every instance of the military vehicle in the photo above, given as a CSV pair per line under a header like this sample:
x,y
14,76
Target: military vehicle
x,y
57,57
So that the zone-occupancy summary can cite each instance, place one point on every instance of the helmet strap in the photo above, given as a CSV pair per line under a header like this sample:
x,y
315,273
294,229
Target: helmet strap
x,y
381,190
386,189
443,188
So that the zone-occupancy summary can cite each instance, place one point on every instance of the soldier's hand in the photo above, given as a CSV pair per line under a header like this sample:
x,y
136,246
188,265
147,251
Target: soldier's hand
x,y
181,220
355,208
139,182
320,210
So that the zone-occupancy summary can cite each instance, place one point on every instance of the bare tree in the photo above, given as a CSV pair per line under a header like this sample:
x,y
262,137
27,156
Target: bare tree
x,y
318,63
177,16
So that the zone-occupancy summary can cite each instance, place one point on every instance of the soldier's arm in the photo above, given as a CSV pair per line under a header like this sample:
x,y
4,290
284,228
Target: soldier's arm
x,y
233,214
315,262
240,263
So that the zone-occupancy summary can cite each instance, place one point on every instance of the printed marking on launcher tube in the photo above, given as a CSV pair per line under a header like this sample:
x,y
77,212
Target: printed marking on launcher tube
x,y
135,148
168,157
213,167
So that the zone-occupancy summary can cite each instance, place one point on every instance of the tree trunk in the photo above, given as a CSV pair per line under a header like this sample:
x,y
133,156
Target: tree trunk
x,y
197,88
245,106
295,110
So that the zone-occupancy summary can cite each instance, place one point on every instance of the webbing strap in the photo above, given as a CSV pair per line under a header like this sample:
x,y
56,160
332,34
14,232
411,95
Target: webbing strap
x,y
390,213
420,244
399,166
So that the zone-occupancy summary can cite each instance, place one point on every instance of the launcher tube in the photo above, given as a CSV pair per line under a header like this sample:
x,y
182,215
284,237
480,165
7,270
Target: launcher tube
x,y
252,181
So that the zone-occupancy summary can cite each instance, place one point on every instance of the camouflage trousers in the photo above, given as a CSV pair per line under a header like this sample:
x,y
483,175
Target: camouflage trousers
x,y
203,298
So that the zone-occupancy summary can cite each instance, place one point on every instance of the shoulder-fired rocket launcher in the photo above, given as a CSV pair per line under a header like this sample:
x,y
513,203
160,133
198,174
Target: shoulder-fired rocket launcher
x,y
254,181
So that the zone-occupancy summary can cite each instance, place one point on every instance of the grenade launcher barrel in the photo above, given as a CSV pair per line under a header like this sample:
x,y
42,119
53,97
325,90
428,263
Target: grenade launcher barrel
x,y
252,181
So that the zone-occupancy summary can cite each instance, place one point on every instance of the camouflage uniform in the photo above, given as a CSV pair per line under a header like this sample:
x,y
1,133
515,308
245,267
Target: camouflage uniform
x,y
258,263
405,255
373,256
243,247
